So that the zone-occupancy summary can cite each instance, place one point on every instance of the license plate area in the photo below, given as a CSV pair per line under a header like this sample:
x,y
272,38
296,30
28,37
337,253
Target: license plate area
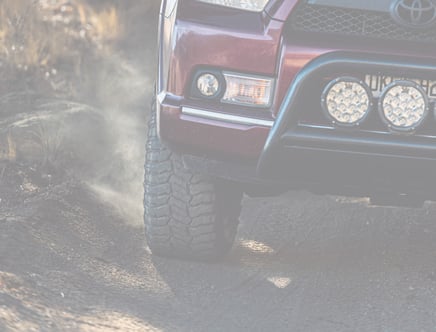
x,y
377,84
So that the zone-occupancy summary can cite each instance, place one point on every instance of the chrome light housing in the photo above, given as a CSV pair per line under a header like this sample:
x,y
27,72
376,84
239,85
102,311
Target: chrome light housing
x,y
248,5
347,101
403,105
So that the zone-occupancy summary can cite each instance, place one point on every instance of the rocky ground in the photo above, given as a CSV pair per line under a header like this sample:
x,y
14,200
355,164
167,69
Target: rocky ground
x,y
73,255
70,262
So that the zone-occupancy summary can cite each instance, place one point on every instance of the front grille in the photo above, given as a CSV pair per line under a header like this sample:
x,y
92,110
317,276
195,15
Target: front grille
x,y
355,23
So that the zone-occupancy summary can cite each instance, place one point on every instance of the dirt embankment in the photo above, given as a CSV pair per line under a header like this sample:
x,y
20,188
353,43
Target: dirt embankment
x,y
76,78
74,88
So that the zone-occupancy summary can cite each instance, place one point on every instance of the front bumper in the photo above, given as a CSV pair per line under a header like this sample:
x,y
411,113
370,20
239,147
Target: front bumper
x,y
221,141
349,161
203,131
353,162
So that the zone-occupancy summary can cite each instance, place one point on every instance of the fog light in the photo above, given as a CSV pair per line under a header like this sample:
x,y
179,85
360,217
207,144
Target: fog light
x,y
347,101
208,85
403,105
248,90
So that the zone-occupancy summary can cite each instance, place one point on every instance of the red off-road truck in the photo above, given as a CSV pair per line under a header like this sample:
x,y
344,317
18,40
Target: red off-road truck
x,y
263,96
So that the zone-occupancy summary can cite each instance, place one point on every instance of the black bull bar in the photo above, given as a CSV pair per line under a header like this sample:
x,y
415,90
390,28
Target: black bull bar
x,y
373,162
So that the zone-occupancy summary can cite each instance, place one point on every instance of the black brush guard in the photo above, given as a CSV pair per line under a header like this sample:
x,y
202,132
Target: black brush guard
x,y
350,162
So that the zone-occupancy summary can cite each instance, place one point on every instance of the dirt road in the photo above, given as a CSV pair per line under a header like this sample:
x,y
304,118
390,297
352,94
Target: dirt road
x,y
301,263
70,261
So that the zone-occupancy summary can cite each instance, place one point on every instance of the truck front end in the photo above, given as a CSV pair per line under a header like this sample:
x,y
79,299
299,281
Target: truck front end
x,y
331,96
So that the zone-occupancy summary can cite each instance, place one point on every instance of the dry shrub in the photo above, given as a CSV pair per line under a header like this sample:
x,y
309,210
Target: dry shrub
x,y
56,134
73,53
49,49
105,24
52,39
25,39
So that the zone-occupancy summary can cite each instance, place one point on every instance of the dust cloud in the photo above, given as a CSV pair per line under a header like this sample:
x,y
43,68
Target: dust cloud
x,y
118,177
123,92
110,154
85,115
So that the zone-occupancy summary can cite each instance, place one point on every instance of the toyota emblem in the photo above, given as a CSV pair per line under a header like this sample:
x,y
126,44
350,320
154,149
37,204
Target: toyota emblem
x,y
416,14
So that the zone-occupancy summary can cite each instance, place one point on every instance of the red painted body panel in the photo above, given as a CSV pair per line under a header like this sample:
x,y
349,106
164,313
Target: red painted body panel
x,y
212,138
217,37
197,44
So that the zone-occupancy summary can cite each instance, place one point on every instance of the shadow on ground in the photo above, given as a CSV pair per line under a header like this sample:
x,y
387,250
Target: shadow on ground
x,y
70,262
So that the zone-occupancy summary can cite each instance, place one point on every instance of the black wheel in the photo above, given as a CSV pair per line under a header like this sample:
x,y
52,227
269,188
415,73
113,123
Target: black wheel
x,y
187,215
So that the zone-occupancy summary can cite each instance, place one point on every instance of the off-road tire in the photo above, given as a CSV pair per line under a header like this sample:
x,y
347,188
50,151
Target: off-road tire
x,y
187,215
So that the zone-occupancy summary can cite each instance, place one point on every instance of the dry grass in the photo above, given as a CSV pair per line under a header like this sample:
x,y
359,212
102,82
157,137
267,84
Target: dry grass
x,y
49,49
8,150
105,24
24,38
68,53
43,34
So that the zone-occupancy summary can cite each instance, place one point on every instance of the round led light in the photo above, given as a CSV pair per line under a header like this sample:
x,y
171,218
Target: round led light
x,y
347,101
403,105
208,85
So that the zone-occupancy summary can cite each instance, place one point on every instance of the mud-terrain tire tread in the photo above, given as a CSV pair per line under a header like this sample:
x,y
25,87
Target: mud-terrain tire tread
x,y
186,215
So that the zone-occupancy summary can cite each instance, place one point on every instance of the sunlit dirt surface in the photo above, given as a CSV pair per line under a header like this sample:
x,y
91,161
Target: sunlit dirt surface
x,y
302,263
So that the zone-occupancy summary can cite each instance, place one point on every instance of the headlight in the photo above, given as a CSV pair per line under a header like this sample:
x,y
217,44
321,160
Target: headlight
x,y
248,90
249,5
403,105
347,101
